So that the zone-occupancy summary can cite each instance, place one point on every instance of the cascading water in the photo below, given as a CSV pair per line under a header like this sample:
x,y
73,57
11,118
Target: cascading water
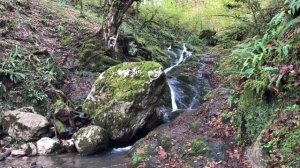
x,y
184,54
185,95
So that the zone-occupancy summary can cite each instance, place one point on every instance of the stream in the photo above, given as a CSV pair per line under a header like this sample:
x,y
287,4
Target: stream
x,y
186,90
186,93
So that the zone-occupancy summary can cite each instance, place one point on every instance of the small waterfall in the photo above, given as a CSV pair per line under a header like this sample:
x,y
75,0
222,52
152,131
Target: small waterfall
x,y
186,92
173,96
183,55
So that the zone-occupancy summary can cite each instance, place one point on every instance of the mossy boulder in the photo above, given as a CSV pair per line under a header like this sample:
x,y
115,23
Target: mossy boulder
x,y
124,98
93,56
90,140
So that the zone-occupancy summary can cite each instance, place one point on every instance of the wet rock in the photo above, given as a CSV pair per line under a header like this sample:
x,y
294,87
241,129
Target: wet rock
x,y
174,114
23,125
69,145
47,145
18,153
90,140
123,99
66,121
4,153
30,149
35,165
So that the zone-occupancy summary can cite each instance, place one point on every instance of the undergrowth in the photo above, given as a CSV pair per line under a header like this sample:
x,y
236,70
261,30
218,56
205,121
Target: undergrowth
x,y
24,79
265,73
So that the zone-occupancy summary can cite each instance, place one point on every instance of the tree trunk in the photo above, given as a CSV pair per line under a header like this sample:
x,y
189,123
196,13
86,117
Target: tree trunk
x,y
113,20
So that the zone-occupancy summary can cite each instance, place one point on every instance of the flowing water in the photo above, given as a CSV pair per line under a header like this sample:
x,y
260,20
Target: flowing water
x,y
185,95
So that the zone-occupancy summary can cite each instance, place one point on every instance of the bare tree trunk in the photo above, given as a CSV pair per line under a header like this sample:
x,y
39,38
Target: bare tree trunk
x,y
113,20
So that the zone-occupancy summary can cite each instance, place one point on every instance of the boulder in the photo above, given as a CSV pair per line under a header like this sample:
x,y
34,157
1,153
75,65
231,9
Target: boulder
x,y
22,124
69,145
90,140
47,145
4,153
124,98
18,153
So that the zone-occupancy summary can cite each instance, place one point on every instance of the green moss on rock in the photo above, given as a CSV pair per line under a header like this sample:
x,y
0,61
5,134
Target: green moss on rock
x,y
60,127
112,99
92,56
122,83
164,141
198,147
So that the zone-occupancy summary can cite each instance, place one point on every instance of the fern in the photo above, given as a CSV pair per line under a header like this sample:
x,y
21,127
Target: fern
x,y
294,6
35,96
291,26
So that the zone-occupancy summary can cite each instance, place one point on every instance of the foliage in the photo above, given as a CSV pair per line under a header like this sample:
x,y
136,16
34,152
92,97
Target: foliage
x,y
266,69
251,116
192,15
281,139
37,71
264,61
35,96
11,68
136,160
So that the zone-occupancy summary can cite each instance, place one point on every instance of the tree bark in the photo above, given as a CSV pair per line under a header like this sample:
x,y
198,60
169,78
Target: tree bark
x,y
113,21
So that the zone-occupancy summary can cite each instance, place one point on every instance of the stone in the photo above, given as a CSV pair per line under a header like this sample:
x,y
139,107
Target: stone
x,y
18,153
123,99
47,145
4,153
23,125
90,140
69,145
6,141
30,149
35,165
